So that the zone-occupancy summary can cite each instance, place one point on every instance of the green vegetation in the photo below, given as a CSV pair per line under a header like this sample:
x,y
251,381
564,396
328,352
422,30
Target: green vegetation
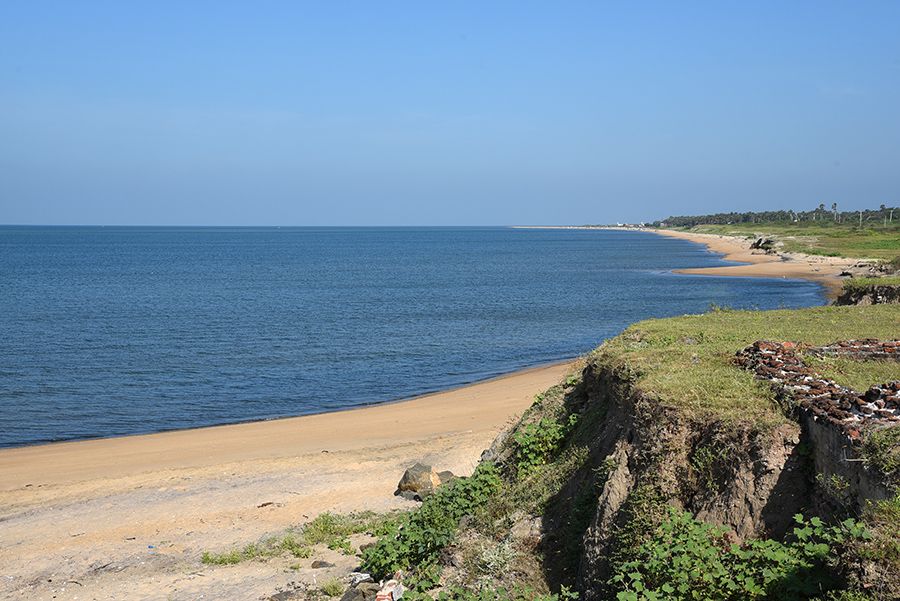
x,y
871,241
539,442
882,450
332,587
683,361
818,217
686,559
678,372
859,284
329,529
414,540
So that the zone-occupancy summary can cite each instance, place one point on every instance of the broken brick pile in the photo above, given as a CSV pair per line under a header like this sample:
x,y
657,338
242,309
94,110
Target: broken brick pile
x,y
825,400
885,350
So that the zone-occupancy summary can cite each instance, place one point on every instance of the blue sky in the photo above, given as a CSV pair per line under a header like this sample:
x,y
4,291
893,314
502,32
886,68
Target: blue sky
x,y
426,113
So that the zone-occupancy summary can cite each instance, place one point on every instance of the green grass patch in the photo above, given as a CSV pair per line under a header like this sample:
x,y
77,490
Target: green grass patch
x,y
684,361
853,373
328,529
874,241
860,284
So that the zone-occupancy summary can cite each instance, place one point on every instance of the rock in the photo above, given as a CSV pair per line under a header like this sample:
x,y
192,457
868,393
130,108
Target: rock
x,y
357,578
356,594
446,477
420,479
369,588
287,596
526,527
495,452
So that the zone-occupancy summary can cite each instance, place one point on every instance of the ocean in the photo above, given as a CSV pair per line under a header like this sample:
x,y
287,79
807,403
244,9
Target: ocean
x,y
112,331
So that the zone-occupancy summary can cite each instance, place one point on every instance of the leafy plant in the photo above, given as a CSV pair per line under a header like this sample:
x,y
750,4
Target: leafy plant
x,y
687,559
343,545
416,539
537,442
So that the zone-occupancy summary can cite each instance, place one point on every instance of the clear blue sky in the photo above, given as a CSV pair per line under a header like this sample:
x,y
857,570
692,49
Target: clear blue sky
x,y
453,113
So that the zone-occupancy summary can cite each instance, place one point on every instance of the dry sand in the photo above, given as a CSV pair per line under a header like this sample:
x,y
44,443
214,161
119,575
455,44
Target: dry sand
x,y
129,518
757,263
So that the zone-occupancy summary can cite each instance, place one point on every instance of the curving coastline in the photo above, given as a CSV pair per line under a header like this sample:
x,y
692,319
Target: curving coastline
x,y
68,507
823,270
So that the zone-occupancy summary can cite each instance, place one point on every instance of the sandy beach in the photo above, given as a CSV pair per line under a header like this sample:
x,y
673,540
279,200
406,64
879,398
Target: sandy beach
x,y
129,518
757,263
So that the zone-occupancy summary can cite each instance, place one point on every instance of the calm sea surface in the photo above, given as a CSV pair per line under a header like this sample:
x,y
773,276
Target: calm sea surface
x,y
116,331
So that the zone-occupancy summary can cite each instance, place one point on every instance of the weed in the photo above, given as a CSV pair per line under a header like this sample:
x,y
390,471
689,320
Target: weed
x,y
221,559
494,560
703,461
332,587
836,487
537,443
416,539
343,545
883,519
881,448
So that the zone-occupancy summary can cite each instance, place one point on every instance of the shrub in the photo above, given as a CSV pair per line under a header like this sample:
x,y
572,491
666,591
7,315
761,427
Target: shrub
x,y
687,559
416,539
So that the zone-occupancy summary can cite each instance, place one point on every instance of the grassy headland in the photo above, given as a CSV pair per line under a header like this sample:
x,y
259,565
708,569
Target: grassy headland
x,y
660,418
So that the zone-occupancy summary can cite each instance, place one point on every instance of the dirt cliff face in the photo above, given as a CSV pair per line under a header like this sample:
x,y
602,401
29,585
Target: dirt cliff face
x,y
727,474
870,295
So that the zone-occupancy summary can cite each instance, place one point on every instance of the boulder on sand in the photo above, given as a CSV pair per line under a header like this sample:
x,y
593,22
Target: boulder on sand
x,y
420,481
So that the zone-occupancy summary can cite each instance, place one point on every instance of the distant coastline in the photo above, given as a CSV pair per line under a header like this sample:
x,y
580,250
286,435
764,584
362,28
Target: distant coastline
x,y
756,263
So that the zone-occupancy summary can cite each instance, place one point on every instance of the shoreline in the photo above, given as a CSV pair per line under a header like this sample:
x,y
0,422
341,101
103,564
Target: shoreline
x,y
150,505
488,403
256,439
755,263
130,517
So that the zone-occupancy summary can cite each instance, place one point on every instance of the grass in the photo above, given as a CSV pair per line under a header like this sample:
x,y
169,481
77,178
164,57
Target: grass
x,y
684,361
882,450
329,529
857,284
858,375
332,587
872,241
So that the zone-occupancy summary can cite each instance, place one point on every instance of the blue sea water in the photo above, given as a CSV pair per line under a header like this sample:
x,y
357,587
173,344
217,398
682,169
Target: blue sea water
x,y
115,331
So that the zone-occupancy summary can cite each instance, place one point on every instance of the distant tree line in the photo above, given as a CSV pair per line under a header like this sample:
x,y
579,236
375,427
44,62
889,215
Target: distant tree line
x,y
820,215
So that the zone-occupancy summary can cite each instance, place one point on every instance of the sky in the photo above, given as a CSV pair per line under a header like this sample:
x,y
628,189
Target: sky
x,y
443,113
